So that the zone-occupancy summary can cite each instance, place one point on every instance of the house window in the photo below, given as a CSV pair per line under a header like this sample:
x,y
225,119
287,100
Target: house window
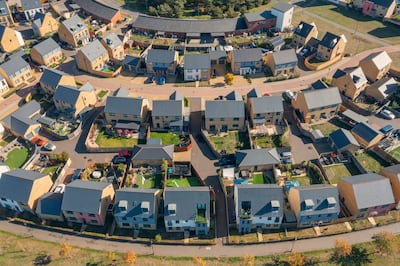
x,y
236,119
124,219
211,119
235,125
91,215
94,221
125,224
145,219
146,225
70,212
222,119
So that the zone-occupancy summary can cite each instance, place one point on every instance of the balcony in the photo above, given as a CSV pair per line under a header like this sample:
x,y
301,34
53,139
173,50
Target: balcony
x,y
201,216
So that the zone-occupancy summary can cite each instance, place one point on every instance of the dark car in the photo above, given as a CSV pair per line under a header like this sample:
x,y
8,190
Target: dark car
x,y
77,174
118,160
150,80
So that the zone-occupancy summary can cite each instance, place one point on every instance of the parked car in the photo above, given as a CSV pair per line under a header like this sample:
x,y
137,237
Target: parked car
x,y
38,141
386,129
118,159
303,52
59,189
387,114
49,147
77,174
150,80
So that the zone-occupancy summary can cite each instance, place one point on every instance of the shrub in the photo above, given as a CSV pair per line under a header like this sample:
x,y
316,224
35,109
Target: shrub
x,y
229,78
65,249
130,257
158,238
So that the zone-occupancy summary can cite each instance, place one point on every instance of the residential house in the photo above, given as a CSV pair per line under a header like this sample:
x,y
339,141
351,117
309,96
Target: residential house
x,y
131,63
114,46
284,13
376,65
342,141
303,33
23,122
276,42
366,135
258,207
314,205
102,12
168,114
366,195
31,7
10,39
152,154
197,67
377,8
331,46
382,89
74,31
52,78
246,61
47,53
393,173
3,85
44,24
137,208
351,82
282,63
6,17
187,209
317,104
261,21
21,189
49,207
74,101
161,62
224,115
92,58
63,9
218,62
266,110
125,112
16,71
253,93
255,160
3,167
93,209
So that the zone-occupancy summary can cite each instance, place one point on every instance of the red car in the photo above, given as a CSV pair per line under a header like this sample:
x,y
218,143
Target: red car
x,y
38,141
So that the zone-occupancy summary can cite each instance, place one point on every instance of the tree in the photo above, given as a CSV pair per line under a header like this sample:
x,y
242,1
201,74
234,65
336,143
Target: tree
x,y
157,238
342,249
247,260
296,259
42,259
385,243
130,257
229,78
199,261
65,249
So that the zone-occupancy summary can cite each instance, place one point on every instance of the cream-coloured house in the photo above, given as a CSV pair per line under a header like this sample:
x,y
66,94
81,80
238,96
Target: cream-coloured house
x,y
10,39
376,65
351,82
114,46
5,14
331,46
303,33
52,78
393,173
44,24
16,71
47,53
74,31
92,58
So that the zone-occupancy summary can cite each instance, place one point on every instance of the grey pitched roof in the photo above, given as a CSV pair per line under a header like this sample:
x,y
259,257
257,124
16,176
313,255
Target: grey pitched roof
x,y
97,8
370,190
153,152
14,65
47,47
93,50
329,40
322,98
217,54
87,87
284,57
176,96
30,4
124,105
365,131
392,169
50,204
74,24
261,197
270,104
254,93
234,96
355,116
282,7
276,41
186,200
167,108
380,59
4,8
160,56
342,138
257,157
121,92
224,109
66,94
38,19
197,61
339,73
257,16
17,184
320,196
304,29
133,198
21,120
384,87
131,60
83,196
112,40
247,55
52,77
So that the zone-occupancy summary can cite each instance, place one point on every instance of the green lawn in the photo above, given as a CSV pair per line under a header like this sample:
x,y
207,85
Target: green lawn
x,y
371,162
258,178
232,142
102,93
326,128
17,157
338,171
395,153
104,140
303,180
51,171
166,137
184,182
271,141
6,140
150,181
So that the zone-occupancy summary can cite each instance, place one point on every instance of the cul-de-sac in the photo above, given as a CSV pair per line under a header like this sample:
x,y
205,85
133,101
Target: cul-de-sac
x,y
199,132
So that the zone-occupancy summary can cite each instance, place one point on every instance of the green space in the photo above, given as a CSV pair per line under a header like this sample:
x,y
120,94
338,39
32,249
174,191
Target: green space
x,y
395,153
140,38
231,142
183,182
371,162
51,171
258,178
17,157
150,181
104,141
326,128
271,141
303,180
102,93
6,140
338,171
166,137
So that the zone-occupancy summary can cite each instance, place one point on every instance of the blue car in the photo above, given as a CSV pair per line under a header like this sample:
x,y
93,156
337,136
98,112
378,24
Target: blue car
x,y
161,80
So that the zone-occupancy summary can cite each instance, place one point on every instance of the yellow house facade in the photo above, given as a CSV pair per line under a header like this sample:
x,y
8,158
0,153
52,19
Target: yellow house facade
x,y
10,40
331,46
47,53
44,24
114,46
92,58
350,83
376,65
74,32
16,72
303,33
52,78
393,173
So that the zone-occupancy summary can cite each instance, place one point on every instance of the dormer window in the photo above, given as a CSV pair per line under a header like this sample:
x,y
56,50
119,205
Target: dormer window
x,y
145,206
172,209
331,202
123,205
275,205
309,204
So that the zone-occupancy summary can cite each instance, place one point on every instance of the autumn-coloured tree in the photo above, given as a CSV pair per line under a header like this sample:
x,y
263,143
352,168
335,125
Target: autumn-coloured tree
x,y
247,260
296,259
65,249
342,248
130,257
229,78
111,255
386,243
199,261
